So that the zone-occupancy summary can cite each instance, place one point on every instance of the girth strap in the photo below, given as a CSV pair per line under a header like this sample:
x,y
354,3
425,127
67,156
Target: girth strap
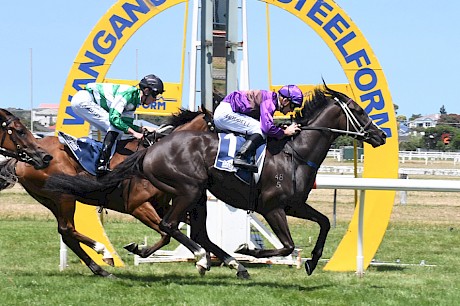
x,y
295,155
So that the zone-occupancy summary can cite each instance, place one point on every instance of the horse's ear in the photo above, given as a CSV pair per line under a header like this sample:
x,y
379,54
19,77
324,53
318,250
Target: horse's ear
x,y
325,86
333,92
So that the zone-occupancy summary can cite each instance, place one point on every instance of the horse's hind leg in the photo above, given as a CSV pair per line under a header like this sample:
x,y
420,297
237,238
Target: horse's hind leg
x,y
305,211
199,234
277,220
170,224
149,216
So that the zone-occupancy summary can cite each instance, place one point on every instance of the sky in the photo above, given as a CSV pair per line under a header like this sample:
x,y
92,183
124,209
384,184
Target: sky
x,y
415,42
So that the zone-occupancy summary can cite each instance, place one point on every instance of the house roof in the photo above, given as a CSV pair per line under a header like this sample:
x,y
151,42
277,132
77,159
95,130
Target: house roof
x,y
432,117
46,112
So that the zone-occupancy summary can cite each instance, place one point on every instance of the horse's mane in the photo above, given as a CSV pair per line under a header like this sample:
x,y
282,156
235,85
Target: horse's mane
x,y
7,113
316,102
182,117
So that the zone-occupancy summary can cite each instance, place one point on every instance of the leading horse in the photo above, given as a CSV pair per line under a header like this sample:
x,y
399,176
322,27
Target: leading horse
x,y
137,197
183,168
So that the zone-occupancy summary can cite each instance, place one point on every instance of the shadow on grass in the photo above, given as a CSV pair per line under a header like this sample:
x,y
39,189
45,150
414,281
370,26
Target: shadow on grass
x,y
384,268
134,279
214,280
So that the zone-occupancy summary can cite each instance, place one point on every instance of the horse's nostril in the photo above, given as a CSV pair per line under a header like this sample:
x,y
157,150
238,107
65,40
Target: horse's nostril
x,y
47,158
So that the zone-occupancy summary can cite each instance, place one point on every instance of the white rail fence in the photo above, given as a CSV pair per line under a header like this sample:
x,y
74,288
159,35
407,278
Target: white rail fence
x,y
363,184
405,156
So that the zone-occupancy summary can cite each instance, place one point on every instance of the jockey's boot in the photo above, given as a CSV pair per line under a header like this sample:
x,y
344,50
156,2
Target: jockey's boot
x,y
103,163
248,149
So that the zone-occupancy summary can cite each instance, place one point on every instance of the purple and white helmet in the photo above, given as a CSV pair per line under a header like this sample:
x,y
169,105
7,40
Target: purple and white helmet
x,y
292,93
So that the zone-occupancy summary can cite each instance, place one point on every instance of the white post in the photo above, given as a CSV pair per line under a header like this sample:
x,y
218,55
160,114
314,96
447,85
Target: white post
x,y
193,51
244,75
31,95
62,255
360,255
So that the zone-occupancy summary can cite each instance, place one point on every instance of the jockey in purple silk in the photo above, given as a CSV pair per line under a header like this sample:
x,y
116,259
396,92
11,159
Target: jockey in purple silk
x,y
251,113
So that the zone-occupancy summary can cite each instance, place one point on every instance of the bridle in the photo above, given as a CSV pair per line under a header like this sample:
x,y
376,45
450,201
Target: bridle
x,y
357,131
354,129
20,154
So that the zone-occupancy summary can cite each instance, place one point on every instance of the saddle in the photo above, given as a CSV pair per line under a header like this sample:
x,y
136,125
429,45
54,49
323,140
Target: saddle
x,y
229,144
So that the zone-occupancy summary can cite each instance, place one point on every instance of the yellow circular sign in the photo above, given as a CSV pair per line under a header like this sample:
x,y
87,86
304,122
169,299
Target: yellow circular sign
x,y
367,83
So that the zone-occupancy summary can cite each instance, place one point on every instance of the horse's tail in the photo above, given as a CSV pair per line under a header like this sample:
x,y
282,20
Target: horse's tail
x,y
8,177
89,188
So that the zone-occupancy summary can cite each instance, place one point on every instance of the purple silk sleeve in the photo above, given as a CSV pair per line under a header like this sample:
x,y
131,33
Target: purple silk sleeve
x,y
267,109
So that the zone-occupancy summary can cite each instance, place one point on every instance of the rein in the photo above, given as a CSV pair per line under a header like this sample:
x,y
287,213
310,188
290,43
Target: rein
x,y
19,154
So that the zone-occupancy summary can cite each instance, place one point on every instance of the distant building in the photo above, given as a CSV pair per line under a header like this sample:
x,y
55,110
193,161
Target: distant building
x,y
46,117
45,114
424,121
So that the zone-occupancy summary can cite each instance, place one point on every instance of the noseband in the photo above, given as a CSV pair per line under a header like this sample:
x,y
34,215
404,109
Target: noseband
x,y
20,154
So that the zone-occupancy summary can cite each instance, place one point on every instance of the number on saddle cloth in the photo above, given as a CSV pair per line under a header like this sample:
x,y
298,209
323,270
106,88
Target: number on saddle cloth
x,y
228,146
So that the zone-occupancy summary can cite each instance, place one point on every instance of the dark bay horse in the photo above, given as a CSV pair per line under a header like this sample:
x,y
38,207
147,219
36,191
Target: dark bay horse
x,y
137,197
17,141
182,167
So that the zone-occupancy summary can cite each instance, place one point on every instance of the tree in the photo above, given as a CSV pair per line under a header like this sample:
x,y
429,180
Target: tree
x,y
343,141
455,142
401,118
414,116
450,119
433,138
442,110
412,144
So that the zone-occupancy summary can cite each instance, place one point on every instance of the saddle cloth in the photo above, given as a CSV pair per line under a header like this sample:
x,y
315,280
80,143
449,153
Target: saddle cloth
x,y
228,146
85,150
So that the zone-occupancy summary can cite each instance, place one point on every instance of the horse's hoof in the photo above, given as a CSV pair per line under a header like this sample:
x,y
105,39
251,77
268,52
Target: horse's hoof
x,y
201,270
243,274
105,274
111,276
309,267
109,261
132,247
242,249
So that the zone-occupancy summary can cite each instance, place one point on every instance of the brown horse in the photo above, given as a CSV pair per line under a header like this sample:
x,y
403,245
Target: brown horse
x,y
137,197
182,167
18,142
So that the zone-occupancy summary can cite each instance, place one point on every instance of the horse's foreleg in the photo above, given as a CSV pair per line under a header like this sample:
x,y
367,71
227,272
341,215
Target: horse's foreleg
x,y
72,238
305,211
